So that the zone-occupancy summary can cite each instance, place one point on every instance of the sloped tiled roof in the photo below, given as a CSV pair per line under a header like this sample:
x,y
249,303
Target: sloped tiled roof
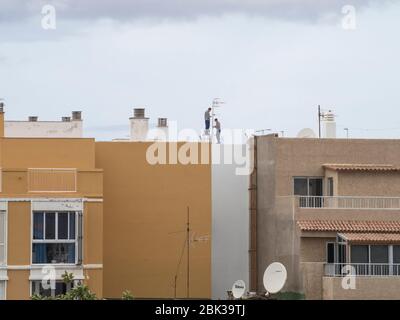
x,y
361,167
349,226
380,238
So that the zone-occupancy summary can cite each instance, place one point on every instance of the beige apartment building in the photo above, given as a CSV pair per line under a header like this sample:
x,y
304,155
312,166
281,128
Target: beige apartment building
x,y
326,208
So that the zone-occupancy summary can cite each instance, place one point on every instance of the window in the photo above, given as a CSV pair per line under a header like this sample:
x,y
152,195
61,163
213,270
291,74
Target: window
x,y
309,187
396,254
379,254
61,288
330,187
3,228
360,254
330,252
54,237
2,290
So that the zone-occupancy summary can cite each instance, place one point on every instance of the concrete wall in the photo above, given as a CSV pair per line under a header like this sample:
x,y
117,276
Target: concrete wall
x,y
145,214
379,183
230,226
43,129
367,288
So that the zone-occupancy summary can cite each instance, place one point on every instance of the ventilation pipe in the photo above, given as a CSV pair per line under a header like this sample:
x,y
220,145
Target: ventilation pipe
x,y
139,125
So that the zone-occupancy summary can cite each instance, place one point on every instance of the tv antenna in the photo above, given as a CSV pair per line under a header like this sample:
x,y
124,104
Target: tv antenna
x,y
190,238
216,103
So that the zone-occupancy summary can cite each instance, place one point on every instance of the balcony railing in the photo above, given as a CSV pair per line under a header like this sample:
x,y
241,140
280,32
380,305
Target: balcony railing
x,y
361,269
345,202
52,180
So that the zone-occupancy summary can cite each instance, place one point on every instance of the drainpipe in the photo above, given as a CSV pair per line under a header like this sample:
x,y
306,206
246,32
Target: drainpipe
x,y
253,223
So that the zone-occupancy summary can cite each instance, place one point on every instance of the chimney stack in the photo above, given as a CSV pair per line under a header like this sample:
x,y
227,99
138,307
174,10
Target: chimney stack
x,y
330,125
139,125
162,123
76,115
32,118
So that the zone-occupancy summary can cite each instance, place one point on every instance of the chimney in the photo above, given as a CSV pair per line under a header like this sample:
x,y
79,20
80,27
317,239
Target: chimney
x,y
330,125
1,119
76,115
66,119
32,118
161,132
139,125
162,123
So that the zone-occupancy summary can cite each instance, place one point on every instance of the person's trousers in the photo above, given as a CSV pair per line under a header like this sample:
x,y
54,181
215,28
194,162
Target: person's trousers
x,y
207,124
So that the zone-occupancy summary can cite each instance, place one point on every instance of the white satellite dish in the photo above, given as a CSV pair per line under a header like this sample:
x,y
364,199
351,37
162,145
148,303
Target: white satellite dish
x,y
275,277
306,133
238,289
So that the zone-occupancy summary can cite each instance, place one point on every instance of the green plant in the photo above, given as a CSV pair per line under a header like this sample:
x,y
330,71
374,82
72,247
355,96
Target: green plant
x,y
79,292
127,295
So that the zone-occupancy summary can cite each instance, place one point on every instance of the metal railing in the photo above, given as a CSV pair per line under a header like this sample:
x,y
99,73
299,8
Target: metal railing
x,y
361,269
346,202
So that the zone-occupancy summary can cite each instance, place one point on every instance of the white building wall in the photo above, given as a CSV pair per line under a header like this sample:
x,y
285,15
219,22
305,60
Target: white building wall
x,y
230,227
43,129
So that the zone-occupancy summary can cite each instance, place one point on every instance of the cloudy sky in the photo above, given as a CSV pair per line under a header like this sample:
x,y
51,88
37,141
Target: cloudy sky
x,y
271,61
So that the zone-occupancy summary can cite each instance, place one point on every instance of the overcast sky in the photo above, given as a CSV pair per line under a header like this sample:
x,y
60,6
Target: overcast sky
x,y
272,61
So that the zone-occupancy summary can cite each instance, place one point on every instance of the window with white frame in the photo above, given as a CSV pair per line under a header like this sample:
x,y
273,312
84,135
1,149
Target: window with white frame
x,y
2,289
60,288
56,237
3,237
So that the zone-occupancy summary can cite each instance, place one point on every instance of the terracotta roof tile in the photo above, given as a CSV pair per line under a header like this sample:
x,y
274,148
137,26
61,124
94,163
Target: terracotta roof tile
x,y
371,237
349,226
361,167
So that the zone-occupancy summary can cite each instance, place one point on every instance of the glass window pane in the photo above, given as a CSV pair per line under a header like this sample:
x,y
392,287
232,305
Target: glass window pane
x,y
330,255
379,254
2,290
72,225
63,225
300,187
53,253
396,254
330,187
359,254
50,225
315,187
38,225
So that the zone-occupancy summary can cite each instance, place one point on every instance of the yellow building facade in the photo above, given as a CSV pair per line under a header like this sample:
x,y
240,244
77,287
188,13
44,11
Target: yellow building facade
x,y
99,210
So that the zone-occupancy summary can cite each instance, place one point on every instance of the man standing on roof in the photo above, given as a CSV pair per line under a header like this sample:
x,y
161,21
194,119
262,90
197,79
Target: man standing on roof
x,y
207,117
218,129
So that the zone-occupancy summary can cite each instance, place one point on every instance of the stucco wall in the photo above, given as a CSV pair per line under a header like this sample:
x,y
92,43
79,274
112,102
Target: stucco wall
x,y
385,184
367,288
145,213
230,227
41,129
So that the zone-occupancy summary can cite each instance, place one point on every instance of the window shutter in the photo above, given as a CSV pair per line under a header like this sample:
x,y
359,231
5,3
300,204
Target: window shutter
x,y
80,237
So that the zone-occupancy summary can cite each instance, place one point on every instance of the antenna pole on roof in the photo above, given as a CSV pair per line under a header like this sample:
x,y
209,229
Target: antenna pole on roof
x,y
319,121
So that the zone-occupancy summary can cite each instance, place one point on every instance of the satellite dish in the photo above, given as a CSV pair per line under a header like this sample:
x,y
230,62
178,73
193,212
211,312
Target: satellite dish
x,y
238,289
306,133
275,277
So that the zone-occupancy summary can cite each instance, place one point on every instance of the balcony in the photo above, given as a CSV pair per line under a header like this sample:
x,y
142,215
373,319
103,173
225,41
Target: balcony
x,y
52,180
348,202
361,269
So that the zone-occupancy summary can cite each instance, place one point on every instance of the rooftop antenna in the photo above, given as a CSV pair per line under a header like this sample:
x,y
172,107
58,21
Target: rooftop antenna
x,y
262,131
319,121
347,132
